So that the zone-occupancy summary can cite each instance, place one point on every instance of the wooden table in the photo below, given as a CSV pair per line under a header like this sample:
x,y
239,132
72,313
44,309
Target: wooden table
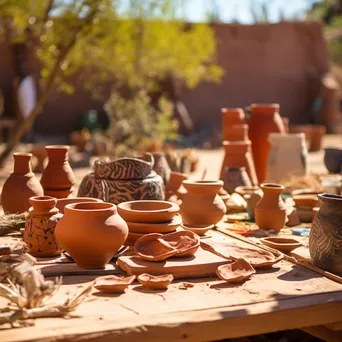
x,y
283,297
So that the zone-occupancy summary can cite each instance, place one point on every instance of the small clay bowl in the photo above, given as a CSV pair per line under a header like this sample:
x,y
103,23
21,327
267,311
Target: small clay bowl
x,y
152,248
147,228
285,245
185,242
306,200
155,281
148,211
113,284
62,202
236,271
199,229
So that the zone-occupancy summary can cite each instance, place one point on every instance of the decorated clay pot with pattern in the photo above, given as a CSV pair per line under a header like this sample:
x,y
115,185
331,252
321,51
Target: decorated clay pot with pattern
x,y
123,180
39,233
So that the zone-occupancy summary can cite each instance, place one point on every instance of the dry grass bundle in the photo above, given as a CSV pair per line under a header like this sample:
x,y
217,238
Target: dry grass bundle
x,y
11,223
311,181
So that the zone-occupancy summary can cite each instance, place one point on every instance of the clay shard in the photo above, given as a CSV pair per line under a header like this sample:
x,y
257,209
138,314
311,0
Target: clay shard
x,y
155,281
113,284
235,272
185,242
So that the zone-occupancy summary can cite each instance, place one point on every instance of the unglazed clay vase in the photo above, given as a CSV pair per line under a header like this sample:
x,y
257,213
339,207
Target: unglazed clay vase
x,y
175,186
39,234
231,116
287,157
202,204
122,180
161,167
270,211
20,186
234,177
236,133
325,241
97,233
264,120
238,154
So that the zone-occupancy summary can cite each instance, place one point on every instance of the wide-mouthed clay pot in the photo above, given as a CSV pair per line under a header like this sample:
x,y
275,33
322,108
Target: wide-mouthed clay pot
x,y
236,271
113,284
234,177
155,281
270,211
62,202
147,228
97,233
39,234
186,242
325,241
333,159
174,186
148,211
202,204
20,186
199,229
285,245
122,180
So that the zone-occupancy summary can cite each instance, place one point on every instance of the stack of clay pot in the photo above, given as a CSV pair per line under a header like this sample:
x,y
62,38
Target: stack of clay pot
x,y
58,178
238,165
148,216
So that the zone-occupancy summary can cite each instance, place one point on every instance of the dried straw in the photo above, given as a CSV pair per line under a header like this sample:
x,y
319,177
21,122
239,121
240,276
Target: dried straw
x,y
11,223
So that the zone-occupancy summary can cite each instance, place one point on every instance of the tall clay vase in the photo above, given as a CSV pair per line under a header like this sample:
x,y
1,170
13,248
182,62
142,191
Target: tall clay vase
x,y
270,211
231,116
20,186
97,233
202,204
58,177
234,177
325,241
39,233
287,157
264,120
238,154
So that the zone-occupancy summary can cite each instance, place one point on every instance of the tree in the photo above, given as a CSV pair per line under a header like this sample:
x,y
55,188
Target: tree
x,y
135,45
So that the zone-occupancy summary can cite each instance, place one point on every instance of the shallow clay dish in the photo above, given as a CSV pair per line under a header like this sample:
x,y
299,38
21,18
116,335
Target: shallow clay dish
x,y
199,229
147,228
113,284
185,242
285,245
235,272
62,202
151,247
148,211
155,281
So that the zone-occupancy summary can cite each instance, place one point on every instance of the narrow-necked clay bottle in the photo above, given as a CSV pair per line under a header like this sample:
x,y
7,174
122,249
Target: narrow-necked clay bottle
x,y
20,186
39,233
265,119
202,204
97,233
270,211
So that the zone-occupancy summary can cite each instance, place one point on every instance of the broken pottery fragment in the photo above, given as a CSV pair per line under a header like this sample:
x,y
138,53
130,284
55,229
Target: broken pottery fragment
x,y
185,242
113,284
235,272
155,281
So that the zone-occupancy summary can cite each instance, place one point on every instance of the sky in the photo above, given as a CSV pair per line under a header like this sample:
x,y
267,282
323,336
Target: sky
x,y
241,10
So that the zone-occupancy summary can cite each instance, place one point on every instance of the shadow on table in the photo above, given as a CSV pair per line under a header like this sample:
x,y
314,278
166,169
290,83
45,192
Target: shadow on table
x,y
298,273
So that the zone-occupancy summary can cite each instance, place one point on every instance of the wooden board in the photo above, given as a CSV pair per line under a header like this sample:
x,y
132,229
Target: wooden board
x,y
202,264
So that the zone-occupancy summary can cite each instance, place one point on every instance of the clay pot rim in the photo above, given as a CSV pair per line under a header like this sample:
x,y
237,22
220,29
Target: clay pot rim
x,y
83,199
57,147
272,186
22,154
43,199
326,196
175,173
176,221
286,241
265,107
232,110
140,160
89,207
203,182
244,189
171,207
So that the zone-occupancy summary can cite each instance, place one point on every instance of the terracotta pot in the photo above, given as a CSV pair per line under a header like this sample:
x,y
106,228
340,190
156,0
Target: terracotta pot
x,y
203,195
62,202
287,157
175,186
238,154
231,116
325,241
236,133
333,159
270,211
265,119
20,186
97,233
252,202
161,167
58,174
39,234
234,177
66,193
317,134
285,245
147,228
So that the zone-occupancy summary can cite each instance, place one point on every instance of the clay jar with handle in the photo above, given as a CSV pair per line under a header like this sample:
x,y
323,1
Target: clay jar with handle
x,y
202,204
39,233
265,119
325,241
270,211
91,233
231,116
238,154
58,174
20,186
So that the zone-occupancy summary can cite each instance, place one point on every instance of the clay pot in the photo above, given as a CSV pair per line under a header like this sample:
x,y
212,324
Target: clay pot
x,y
155,281
203,195
113,284
333,159
62,202
20,186
67,193
246,191
325,241
236,133
39,234
234,177
58,174
238,154
230,117
148,211
236,272
306,200
97,233
199,229
186,242
313,134
314,212
270,212
174,186
162,228
39,152
281,244
161,167
265,119
252,203
287,157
